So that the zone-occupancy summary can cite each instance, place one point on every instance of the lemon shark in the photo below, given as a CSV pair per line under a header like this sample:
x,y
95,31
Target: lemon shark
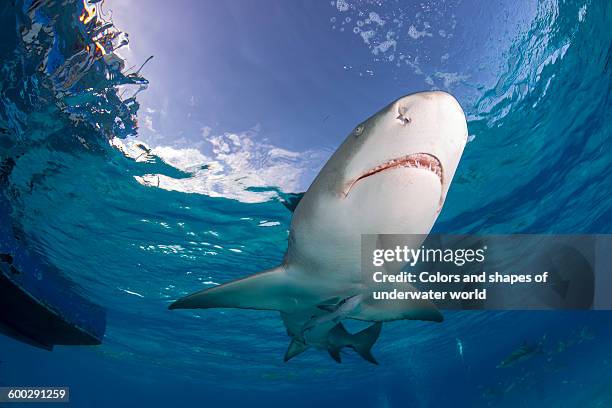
x,y
391,175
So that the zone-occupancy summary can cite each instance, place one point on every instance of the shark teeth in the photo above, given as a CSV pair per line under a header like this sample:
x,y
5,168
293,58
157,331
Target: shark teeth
x,y
423,161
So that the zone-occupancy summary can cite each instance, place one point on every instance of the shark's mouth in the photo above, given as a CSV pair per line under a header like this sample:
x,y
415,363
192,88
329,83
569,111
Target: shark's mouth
x,y
423,161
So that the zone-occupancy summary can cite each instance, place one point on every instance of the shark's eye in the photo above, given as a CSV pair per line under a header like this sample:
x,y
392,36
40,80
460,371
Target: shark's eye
x,y
358,130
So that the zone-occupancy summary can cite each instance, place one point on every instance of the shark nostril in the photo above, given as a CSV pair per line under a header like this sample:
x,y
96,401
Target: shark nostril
x,y
404,120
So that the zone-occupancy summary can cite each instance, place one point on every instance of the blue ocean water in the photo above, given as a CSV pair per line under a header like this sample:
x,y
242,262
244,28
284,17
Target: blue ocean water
x,y
539,162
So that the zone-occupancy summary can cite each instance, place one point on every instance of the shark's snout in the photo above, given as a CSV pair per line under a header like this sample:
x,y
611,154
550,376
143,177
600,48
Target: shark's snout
x,y
409,107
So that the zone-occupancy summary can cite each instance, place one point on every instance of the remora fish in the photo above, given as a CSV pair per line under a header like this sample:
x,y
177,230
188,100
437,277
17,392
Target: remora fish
x,y
335,314
524,352
328,335
390,176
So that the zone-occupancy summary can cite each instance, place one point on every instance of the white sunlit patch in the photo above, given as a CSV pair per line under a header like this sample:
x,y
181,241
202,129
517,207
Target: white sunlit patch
x,y
170,249
366,36
375,18
148,123
342,5
415,34
398,36
268,223
129,292
238,164
137,151
384,46
582,13
206,130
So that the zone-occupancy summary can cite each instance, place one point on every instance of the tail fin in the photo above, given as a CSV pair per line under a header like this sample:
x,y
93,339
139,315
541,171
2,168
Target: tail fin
x,y
363,341
269,290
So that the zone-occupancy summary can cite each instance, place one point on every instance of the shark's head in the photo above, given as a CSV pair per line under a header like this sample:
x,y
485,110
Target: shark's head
x,y
419,136
392,173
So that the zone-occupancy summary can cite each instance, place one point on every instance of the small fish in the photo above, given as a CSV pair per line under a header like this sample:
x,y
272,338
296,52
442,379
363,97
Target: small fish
x,y
585,334
524,352
460,349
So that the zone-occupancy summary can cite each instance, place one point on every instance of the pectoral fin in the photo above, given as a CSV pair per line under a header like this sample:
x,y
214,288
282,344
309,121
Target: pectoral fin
x,y
270,290
328,308
329,305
